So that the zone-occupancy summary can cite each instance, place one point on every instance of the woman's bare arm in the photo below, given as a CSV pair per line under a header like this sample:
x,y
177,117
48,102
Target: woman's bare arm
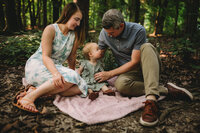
x,y
47,40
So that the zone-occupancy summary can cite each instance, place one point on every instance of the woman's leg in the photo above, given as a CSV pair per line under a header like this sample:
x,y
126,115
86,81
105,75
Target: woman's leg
x,y
56,91
72,91
46,88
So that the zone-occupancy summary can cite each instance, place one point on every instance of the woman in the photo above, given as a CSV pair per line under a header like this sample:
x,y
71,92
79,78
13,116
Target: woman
x,y
44,68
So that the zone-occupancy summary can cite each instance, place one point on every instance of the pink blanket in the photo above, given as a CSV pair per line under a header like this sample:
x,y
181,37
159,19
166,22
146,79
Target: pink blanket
x,y
103,109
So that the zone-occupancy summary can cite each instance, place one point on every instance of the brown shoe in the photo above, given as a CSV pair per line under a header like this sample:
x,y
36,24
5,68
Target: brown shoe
x,y
176,92
150,114
93,95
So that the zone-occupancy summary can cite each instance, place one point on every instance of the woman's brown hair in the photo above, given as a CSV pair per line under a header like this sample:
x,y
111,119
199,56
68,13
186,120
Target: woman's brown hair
x,y
66,14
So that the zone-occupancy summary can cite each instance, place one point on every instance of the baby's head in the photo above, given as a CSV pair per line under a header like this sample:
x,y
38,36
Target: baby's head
x,y
91,50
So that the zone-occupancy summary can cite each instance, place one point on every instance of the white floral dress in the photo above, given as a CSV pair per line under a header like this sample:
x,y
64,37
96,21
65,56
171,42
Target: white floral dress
x,y
35,71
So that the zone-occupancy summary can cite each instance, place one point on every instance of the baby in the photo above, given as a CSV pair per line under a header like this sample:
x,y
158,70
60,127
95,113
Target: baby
x,y
91,66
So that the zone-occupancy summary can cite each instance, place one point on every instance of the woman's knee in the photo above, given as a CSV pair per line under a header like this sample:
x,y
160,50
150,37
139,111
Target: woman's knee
x,y
67,85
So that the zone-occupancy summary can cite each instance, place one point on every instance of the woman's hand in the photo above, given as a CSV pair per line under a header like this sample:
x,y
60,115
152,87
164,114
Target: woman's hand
x,y
58,81
102,76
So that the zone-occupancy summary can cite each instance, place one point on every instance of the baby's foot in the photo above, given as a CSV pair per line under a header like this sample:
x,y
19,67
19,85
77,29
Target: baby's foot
x,y
109,92
93,95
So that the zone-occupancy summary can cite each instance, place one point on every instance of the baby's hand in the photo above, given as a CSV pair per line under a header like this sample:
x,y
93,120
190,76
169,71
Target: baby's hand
x,y
79,70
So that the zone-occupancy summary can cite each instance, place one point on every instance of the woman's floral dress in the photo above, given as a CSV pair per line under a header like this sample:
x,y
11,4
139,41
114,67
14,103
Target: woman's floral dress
x,y
35,71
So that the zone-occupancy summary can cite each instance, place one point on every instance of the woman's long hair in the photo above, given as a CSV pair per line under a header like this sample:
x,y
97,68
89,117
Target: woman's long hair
x,y
66,14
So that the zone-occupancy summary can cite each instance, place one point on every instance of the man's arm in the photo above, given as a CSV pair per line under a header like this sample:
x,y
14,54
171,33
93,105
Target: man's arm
x,y
135,60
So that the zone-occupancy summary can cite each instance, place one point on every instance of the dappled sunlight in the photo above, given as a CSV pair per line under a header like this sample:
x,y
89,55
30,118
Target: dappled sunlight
x,y
166,54
92,31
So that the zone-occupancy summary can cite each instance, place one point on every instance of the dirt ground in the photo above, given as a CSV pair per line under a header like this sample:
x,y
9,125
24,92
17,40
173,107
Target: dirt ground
x,y
175,116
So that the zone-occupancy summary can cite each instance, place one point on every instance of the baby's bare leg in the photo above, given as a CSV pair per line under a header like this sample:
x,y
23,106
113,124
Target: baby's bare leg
x,y
90,91
105,88
107,91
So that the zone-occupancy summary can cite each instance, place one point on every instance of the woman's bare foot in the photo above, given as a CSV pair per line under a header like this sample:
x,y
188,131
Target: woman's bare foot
x,y
27,90
27,105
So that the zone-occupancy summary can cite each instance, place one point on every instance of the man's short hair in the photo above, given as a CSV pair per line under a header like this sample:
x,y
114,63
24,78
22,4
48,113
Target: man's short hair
x,y
112,18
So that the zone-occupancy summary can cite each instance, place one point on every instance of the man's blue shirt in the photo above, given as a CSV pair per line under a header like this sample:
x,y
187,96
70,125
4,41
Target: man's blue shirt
x,y
133,36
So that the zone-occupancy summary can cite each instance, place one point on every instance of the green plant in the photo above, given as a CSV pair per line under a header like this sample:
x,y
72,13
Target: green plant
x,y
16,50
109,61
183,48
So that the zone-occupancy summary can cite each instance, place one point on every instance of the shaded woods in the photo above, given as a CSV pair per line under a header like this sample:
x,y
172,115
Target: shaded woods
x,y
172,26
158,16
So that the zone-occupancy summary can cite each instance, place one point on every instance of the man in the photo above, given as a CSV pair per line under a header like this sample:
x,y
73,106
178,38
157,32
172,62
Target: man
x,y
139,64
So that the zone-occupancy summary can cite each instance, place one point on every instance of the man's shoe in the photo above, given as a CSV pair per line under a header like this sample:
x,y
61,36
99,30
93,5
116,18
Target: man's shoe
x,y
176,92
150,114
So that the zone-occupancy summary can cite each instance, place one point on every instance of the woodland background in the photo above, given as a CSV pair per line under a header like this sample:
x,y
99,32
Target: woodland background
x,y
175,19
173,27
25,19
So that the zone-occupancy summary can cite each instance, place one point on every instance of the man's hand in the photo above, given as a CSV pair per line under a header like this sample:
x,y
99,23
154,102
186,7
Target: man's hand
x,y
102,76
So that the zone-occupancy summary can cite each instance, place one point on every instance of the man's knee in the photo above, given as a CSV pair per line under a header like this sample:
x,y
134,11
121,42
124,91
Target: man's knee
x,y
147,48
146,45
122,84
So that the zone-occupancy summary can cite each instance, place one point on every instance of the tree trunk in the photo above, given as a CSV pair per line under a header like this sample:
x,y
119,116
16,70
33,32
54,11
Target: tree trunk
x,y
84,5
24,13
161,14
33,13
192,9
103,8
56,7
134,8
137,11
11,17
100,12
131,7
161,17
38,13
49,12
176,18
61,3
44,13
19,18
2,17
30,13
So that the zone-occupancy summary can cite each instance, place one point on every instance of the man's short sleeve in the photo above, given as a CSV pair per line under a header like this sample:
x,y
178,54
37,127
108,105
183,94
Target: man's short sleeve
x,y
102,40
140,38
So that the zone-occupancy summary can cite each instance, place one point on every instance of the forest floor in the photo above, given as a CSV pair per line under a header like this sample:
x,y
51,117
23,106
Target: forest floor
x,y
176,116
